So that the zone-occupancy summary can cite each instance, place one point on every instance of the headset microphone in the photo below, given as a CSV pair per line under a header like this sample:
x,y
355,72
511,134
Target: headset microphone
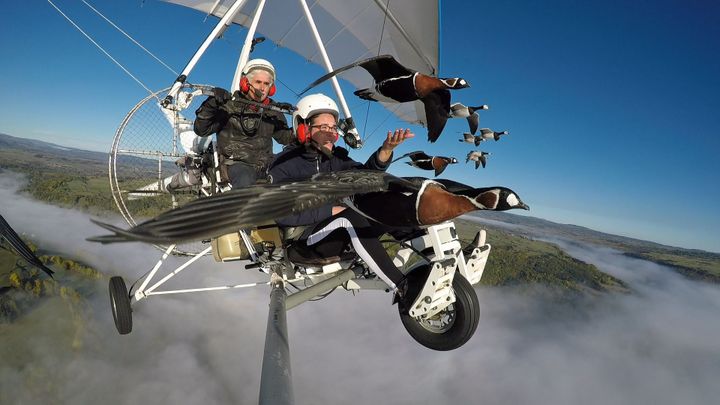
x,y
258,93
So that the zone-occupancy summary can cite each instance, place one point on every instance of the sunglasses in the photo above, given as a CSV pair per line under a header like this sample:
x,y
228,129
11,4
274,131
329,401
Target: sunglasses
x,y
326,128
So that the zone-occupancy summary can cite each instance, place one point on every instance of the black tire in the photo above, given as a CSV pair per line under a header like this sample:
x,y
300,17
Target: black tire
x,y
457,322
120,305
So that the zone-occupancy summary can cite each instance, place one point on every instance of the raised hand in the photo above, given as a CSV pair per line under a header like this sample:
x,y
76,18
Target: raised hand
x,y
392,141
395,139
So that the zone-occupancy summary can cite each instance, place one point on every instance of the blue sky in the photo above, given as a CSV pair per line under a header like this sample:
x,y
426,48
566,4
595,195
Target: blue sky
x,y
612,106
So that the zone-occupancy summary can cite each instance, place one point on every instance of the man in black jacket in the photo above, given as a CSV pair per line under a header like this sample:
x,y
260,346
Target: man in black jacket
x,y
245,131
332,228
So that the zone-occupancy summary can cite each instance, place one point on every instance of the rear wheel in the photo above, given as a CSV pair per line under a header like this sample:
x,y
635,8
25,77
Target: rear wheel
x,y
452,327
120,304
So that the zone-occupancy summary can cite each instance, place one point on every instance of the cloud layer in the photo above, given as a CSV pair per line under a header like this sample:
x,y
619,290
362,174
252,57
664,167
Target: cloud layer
x,y
657,345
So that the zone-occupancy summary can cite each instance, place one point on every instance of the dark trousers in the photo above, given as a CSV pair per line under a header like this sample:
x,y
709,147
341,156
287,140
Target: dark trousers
x,y
242,175
331,236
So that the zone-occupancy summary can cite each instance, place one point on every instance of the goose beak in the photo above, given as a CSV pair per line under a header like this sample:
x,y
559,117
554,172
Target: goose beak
x,y
524,206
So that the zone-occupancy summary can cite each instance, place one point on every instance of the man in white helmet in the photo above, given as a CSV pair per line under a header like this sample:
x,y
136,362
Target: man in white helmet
x,y
245,131
331,228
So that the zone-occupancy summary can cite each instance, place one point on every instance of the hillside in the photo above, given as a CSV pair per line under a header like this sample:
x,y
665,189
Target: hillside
x,y
72,178
518,260
63,176
23,288
693,263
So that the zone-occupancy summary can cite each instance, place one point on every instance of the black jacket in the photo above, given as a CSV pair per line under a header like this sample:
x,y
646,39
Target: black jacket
x,y
234,142
299,162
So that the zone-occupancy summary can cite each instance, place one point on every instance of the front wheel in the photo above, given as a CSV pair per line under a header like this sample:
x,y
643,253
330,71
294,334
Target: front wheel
x,y
453,326
120,304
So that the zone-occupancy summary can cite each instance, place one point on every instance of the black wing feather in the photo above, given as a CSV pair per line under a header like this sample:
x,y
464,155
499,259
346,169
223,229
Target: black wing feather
x,y
9,234
418,154
385,67
251,206
453,186
473,122
380,67
437,110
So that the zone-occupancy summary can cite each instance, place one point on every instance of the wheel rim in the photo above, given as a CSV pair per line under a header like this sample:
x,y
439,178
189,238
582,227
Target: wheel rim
x,y
440,322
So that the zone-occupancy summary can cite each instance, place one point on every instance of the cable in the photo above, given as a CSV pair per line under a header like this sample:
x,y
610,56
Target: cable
x,y
287,87
367,115
382,31
382,34
383,121
103,50
131,38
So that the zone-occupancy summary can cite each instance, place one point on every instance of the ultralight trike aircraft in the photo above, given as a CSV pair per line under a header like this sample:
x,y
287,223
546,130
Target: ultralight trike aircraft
x,y
158,164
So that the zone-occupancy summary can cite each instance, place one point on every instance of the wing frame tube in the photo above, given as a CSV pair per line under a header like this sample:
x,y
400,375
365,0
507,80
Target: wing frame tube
x,y
403,32
245,52
219,28
352,138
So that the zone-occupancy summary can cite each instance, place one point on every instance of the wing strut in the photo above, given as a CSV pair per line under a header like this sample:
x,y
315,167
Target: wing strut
x,y
245,53
405,35
352,138
219,28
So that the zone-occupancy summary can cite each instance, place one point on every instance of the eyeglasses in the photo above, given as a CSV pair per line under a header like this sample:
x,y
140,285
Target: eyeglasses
x,y
326,128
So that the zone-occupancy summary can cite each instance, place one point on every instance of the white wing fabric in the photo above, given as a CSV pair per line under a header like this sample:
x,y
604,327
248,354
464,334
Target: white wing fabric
x,y
351,31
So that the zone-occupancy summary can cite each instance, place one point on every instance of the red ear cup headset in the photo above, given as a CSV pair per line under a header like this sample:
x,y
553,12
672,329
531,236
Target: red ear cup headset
x,y
245,86
303,133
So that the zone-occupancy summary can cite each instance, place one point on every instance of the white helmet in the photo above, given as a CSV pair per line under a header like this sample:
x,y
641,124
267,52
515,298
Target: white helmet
x,y
311,105
259,64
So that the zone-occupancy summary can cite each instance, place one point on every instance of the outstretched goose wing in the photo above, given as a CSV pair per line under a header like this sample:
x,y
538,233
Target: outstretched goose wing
x,y
250,206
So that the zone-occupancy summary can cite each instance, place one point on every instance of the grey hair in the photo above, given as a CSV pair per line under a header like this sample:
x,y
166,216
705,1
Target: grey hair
x,y
251,75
